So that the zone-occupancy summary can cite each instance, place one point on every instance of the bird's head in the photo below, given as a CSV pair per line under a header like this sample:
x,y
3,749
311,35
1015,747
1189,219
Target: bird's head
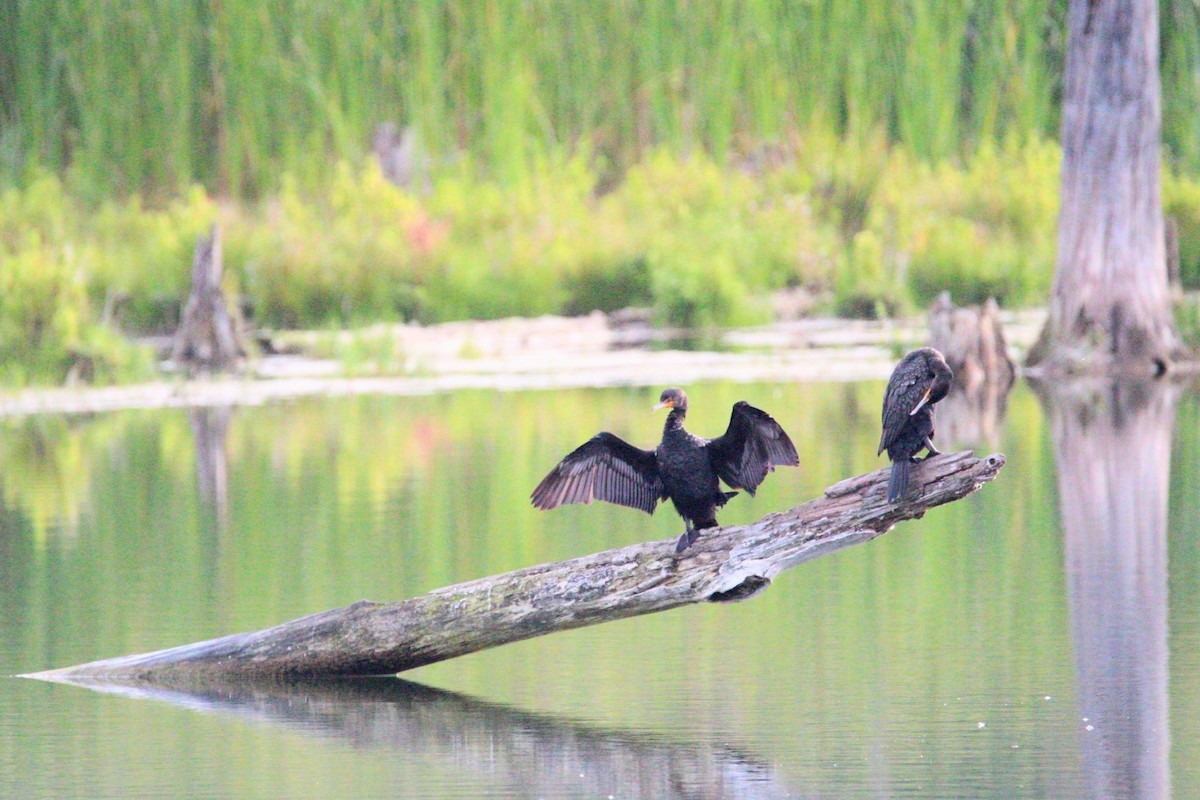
x,y
937,374
674,399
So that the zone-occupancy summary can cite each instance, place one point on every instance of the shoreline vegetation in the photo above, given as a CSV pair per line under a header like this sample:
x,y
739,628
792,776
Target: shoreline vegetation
x,y
696,159
868,233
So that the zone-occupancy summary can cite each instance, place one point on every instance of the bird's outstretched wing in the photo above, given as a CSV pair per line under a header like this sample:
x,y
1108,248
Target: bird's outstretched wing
x,y
604,467
906,388
753,445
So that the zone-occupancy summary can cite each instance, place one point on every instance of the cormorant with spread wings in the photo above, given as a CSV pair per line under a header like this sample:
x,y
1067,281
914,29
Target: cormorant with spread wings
x,y
684,468
920,379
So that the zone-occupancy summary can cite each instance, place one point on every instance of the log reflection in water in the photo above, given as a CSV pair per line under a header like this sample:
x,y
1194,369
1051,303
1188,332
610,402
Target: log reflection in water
x,y
520,752
210,427
1112,444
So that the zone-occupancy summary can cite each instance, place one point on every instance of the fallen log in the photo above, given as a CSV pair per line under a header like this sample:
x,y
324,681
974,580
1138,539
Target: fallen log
x,y
726,564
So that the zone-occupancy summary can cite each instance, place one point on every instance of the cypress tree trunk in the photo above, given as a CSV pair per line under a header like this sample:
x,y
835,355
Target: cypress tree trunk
x,y
1110,309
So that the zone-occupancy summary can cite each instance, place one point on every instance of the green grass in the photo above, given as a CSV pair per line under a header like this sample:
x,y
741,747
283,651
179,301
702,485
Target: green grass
x,y
151,97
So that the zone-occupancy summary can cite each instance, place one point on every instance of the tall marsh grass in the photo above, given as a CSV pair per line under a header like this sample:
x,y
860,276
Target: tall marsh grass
x,y
156,95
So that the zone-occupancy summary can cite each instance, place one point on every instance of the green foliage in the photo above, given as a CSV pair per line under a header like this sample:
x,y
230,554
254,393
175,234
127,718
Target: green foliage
x,y
1181,202
1187,321
46,327
986,230
155,96
699,242
863,290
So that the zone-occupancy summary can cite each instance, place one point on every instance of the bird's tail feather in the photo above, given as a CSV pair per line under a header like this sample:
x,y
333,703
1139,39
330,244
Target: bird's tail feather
x,y
898,482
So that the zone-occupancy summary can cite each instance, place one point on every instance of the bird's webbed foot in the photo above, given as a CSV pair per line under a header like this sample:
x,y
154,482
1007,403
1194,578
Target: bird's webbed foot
x,y
687,539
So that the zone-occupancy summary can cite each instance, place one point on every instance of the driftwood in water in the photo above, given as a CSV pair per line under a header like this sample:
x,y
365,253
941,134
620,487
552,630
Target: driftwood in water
x,y
972,341
731,563
209,337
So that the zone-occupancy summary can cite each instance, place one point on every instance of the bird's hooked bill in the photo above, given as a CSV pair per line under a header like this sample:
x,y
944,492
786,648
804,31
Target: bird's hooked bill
x,y
664,404
924,400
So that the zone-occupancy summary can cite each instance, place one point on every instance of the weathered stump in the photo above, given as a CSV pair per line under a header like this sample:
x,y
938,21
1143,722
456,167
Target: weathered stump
x,y
725,564
209,336
972,341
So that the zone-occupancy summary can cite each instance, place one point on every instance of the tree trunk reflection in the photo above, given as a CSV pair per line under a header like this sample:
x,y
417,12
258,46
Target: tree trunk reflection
x,y
1112,443
210,427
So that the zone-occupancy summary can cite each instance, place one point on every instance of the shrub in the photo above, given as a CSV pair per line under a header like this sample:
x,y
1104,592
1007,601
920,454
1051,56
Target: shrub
x,y
46,327
1181,202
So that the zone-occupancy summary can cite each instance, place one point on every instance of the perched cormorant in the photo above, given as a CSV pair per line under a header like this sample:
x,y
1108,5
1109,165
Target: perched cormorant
x,y
920,379
684,468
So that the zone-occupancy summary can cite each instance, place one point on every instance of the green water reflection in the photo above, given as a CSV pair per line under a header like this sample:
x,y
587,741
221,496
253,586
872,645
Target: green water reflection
x,y
948,658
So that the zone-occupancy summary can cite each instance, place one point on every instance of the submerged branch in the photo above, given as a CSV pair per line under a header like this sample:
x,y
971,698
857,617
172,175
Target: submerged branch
x,y
730,563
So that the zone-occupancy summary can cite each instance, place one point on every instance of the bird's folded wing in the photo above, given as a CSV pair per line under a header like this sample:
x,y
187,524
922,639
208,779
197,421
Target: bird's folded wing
x,y
753,445
903,393
604,467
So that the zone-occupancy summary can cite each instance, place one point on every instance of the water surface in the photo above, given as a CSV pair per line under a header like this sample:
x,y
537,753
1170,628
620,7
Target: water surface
x,y
956,656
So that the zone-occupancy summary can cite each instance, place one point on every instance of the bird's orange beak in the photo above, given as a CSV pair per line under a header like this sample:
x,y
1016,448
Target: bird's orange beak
x,y
924,400
664,404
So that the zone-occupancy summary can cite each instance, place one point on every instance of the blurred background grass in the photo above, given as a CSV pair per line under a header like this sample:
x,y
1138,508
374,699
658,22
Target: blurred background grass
x,y
689,156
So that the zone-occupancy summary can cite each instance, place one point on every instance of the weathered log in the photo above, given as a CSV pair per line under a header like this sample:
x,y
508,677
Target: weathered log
x,y
730,563
209,337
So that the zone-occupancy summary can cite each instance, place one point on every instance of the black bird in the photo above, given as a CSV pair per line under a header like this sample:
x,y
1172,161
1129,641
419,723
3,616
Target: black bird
x,y
920,379
684,468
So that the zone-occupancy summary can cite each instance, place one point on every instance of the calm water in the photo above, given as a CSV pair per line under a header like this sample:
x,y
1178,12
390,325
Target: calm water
x,y
958,656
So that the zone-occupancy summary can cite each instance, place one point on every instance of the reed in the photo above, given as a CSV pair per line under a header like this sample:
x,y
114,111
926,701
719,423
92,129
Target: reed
x,y
150,96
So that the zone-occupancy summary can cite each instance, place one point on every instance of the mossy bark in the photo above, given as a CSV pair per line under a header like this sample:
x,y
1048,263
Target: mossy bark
x,y
732,563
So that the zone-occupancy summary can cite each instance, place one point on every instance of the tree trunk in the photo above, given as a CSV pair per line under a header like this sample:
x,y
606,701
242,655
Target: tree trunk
x,y
725,564
1110,308
208,335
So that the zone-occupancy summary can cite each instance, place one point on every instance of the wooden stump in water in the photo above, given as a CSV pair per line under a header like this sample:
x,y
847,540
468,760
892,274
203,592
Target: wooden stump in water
x,y
209,336
972,340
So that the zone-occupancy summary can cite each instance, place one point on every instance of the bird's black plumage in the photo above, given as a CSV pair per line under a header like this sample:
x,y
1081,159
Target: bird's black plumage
x,y
683,468
921,379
